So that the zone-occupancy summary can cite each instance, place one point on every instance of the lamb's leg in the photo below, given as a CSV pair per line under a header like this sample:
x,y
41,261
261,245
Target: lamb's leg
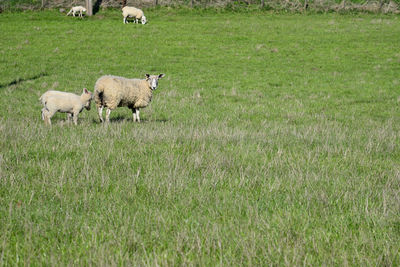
x,y
125,18
69,115
47,116
108,112
43,110
73,13
44,115
100,112
76,118
47,120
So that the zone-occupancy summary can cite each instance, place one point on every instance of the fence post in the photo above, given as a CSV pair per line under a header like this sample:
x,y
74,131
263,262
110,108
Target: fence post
x,y
89,7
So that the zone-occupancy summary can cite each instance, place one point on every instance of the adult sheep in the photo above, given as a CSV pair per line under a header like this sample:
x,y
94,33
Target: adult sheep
x,y
114,91
135,13
76,9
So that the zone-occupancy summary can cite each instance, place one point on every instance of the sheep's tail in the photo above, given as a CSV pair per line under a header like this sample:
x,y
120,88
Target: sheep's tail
x,y
42,100
98,94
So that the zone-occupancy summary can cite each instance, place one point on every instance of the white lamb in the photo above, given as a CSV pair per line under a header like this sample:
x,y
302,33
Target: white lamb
x,y
76,9
133,12
69,103
113,91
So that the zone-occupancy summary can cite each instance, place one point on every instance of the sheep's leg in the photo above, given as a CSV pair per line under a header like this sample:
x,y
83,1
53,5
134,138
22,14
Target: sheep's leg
x,y
108,112
137,115
100,112
133,113
125,20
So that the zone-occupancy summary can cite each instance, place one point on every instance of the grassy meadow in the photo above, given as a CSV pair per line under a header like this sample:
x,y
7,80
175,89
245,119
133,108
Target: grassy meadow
x,y
274,139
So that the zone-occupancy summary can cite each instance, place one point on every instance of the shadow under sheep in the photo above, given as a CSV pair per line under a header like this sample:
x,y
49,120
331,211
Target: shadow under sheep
x,y
122,119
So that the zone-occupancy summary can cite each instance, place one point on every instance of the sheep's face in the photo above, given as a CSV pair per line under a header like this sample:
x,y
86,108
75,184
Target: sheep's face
x,y
153,80
84,9
144,20
87,106
87,97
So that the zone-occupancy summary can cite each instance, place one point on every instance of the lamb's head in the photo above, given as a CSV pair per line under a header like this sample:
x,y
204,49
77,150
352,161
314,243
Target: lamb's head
x,y
144,20
84,9
86,98
153,80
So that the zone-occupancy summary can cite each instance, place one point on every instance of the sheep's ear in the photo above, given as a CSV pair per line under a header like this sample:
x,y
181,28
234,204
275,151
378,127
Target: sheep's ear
x,y
161,75
85,91
147,76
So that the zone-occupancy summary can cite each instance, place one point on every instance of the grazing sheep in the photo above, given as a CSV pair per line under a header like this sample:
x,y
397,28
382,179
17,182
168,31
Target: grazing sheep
x,y
113,91
135,13
69,103
76,9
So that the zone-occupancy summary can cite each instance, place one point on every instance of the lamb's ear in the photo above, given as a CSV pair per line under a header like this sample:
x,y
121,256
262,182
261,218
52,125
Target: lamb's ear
x,y
147,76
85,91
161,75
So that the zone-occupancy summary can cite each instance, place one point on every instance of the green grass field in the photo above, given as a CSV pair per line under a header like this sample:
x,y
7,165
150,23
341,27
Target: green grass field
x,y
274,139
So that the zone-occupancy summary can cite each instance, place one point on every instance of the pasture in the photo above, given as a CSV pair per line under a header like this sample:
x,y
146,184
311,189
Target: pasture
x,y
273,139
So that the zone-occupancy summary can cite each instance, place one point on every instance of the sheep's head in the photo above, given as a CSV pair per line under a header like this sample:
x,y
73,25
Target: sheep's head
x,y
144,20
84,9
87,97
153,80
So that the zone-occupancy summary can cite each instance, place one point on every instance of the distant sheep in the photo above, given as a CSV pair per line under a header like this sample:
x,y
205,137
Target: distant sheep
x,y
113,91
135,13
69,103
76,9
